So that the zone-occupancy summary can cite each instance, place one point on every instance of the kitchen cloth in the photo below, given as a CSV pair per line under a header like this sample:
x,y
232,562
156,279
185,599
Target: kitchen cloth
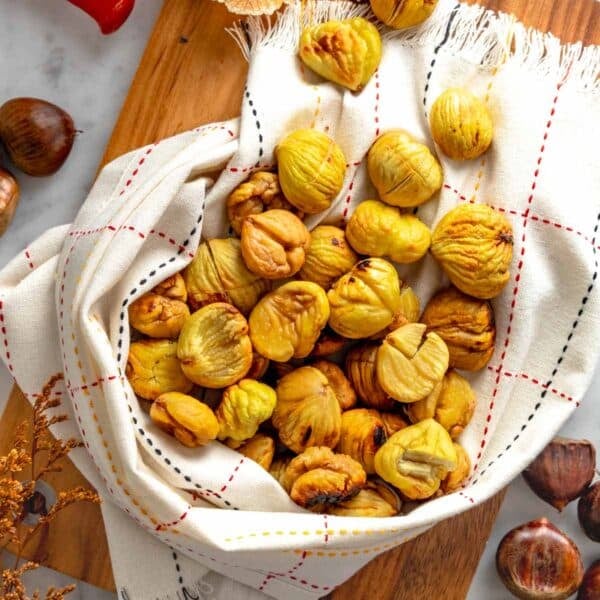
x,y
178,517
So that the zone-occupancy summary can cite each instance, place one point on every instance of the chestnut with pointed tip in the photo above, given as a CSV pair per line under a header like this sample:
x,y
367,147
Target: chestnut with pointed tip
x,y
537,561
562,471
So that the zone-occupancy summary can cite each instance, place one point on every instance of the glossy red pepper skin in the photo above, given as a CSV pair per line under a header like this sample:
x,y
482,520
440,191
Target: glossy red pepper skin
x,y
109,14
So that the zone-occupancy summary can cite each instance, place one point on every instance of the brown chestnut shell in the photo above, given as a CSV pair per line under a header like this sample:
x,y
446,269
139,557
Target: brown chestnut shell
x,y
38,135
537,561
562,471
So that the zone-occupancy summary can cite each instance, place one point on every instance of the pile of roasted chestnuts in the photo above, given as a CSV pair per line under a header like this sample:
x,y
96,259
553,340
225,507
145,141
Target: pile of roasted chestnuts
x,y
327,371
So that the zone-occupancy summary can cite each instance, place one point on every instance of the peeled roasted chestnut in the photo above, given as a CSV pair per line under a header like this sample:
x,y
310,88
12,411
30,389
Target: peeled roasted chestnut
x,y
562,471
588,511
38,135
590,588
538,561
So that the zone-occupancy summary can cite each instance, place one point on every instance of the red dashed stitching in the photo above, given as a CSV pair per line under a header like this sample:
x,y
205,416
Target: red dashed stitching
x,y
326,532
232,475
469,498
269,575
137,169
535,381
28,257
515,292
252,168
5,338
266,581
142,235
521,214
349,196
94,384
162,526
210,128
376,109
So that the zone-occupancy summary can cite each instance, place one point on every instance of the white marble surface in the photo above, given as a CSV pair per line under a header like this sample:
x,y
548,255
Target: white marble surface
x,y
51,50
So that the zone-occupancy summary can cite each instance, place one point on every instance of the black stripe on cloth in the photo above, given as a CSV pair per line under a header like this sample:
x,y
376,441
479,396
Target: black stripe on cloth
x,y
560,358
158,451
261,149
436,51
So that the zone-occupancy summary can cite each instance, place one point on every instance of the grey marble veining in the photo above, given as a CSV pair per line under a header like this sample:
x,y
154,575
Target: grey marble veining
x,y
51,50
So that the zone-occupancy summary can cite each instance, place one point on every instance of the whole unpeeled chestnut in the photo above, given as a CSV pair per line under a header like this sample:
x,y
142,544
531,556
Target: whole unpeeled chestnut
x,y
38,135
590,588
588,511
9,198
562,471
538,561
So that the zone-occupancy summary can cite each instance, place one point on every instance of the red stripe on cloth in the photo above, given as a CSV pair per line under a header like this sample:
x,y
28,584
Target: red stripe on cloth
x,y
230,479
179,519
28,257
516,288
136,170
5,339
533,380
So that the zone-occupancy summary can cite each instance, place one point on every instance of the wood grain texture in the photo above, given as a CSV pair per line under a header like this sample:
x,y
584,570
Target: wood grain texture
x,y
191,74
75,542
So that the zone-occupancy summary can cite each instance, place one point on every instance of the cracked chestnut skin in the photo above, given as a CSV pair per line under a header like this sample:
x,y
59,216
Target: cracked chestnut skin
x,y
158,316
376,499
244,406
461,124
287,322
318,478
377,229
186,418
451,403
363,433
404,171
361,370
274,244
401,14
259,193
311,169
364,300
214,347
218,273
473,243
346,52
344,392
416,459
467,326
259,448
328,257
410,364
307,411
153,369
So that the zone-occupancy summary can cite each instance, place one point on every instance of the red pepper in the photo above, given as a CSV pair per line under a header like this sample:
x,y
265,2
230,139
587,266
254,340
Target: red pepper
x,y
109,14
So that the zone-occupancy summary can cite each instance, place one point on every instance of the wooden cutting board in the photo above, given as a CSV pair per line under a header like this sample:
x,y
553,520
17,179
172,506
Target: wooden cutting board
x,y
191,74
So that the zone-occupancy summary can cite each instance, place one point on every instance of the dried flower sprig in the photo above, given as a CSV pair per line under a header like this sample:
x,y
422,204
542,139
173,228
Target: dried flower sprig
x,y
18,495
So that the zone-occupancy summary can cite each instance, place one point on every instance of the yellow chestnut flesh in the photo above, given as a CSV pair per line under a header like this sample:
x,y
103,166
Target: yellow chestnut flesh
x,y
345,52
311,169
214,347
